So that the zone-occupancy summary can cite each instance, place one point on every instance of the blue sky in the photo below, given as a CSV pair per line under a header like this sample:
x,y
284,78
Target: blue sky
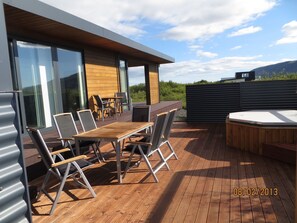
x,y
209,39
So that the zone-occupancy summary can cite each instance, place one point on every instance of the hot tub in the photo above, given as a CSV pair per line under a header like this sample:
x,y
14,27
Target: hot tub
x,y
249,130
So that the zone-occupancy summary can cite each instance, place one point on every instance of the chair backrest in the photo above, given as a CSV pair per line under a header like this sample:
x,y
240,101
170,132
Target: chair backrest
x,y
158,130
42,148
65,125
171,115
99,102
141,113
124,96
86,119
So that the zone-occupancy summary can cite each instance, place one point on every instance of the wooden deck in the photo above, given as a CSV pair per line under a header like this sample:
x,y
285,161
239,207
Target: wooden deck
x,y
202,186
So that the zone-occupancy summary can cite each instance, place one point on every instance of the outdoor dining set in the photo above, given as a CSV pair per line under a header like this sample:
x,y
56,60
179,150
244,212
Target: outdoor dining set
x,y
139,137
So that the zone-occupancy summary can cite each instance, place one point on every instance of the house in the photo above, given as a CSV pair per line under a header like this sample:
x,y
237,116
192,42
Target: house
x,y
59,61
52,62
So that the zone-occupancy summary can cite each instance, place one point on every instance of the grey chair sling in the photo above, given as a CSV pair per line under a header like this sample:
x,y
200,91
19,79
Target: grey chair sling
x,y
146,149
141,113
86,119
66,129
88,123
166,135
62,170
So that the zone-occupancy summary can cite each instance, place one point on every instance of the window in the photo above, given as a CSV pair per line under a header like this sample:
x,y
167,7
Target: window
x,y
124,86
48,89
71,74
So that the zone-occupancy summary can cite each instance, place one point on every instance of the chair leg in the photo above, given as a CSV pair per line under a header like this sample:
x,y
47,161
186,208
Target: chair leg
x,y
172,151
96,154
42,189
83,176
60,188
163,159
149,165
102,114
129,161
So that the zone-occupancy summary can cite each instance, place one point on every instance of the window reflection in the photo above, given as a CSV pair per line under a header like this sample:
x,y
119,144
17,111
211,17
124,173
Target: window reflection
x,y
42,85
37,81
72,82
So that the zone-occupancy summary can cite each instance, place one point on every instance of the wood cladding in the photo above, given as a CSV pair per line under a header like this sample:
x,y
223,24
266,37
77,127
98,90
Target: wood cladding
x,y
101,74
154,84
251,138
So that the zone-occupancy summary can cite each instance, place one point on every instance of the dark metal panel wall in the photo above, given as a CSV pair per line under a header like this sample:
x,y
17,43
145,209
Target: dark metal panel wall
x,y
268,95
14,201
211,103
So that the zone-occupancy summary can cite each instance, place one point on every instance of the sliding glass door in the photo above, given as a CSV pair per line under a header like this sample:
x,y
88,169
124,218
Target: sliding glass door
x,y
71,72
37,81
51,80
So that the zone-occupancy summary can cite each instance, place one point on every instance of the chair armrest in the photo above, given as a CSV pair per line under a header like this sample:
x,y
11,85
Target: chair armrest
x,y
65,138
69,160
139,143
60,151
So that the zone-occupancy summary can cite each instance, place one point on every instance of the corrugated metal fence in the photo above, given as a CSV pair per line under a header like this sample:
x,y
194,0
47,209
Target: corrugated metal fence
x,y
14,201
211,103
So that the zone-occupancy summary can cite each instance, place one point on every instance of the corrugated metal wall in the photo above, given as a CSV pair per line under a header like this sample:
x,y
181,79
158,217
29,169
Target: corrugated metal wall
x,y
213,102
14,205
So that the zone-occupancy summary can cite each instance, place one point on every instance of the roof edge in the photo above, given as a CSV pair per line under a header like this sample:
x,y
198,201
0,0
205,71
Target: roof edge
x,y
55,14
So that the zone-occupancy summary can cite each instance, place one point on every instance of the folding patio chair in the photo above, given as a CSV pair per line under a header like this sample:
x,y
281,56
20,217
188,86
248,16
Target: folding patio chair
x,y
123,101
103,106
141,113
66,128
165,138
146,149
88,123
62,170
86,119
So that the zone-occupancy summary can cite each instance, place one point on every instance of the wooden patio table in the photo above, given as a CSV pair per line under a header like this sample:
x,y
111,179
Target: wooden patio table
x,y
115,133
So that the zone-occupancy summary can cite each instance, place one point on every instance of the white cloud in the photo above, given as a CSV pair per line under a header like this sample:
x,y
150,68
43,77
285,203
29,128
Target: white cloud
x,y
202,53
236,48
245,31
212,70
290,33
184,19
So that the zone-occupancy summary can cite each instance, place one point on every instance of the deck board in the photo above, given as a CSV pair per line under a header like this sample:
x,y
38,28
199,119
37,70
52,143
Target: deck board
x,y
199,187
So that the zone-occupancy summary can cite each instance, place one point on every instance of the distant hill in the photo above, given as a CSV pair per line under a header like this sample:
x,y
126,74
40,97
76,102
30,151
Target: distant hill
x,y
279,68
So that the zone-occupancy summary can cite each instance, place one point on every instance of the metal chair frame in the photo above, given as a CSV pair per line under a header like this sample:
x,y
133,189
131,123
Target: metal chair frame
x,y
88,123
62,170
147,149
66,133
166,135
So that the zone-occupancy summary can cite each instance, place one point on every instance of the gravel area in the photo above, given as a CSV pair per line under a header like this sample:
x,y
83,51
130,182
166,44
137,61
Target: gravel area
x,y
181,115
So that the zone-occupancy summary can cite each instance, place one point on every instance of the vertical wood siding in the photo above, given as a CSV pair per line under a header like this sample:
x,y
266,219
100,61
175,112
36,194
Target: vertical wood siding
x,y
154,84
101,74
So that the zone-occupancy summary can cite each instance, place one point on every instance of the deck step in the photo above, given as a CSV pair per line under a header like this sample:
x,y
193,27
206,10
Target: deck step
x,y
282,152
